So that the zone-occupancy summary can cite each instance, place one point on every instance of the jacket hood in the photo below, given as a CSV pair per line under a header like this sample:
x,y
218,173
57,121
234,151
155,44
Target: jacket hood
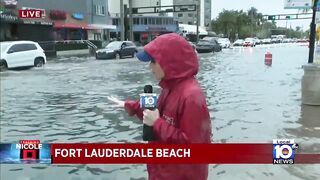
x,y
176,57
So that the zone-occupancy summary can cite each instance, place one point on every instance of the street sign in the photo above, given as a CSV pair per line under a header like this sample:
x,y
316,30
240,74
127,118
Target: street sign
x,y
297,4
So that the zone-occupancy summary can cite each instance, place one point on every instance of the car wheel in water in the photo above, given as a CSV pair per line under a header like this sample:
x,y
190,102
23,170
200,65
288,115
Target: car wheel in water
x,y
3,65
118,56
38,62
134,54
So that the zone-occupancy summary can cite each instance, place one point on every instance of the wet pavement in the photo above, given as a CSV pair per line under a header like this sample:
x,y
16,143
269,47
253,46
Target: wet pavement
x,y
66,101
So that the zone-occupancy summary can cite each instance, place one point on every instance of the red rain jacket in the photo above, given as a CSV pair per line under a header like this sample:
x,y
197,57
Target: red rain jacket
x,y
184,116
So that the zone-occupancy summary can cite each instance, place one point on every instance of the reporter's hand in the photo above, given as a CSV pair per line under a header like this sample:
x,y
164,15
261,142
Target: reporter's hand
x,y
150,117
117,103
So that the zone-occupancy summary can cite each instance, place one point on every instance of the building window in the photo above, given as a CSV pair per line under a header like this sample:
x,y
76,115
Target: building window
x,y
190,15
115,22
180,15
100,10
97,36
145,21
153,21
158,20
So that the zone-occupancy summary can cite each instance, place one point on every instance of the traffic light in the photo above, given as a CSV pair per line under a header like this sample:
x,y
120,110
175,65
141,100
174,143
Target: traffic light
x,y
272,18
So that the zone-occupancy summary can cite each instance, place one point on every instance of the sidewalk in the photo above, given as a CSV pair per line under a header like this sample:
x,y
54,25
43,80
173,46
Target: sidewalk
x,y
73,52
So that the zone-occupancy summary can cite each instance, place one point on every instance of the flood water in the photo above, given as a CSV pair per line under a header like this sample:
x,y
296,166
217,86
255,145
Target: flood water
x,y
249,102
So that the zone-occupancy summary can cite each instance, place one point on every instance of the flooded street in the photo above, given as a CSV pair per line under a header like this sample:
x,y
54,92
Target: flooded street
x,y
249,102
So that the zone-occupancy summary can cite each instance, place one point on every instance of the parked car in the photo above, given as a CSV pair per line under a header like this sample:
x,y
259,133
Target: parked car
x,y
266,41
238,42
117,50
249,42
208,46
214,41
257,41
275,40
16,54
224,42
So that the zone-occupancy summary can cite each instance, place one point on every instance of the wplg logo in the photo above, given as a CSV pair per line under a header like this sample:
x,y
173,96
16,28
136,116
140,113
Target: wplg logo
x,y
148,100
284,151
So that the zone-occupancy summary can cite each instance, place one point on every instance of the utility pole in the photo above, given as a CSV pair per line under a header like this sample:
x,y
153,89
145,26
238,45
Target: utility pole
x,y
251,12
198,18
122,21
312,32
130,21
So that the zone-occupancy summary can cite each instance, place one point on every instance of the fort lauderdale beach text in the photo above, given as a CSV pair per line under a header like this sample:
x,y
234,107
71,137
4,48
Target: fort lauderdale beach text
x,y
122,153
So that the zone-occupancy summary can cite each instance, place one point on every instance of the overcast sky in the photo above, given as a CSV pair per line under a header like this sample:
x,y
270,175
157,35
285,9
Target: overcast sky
x,y
264,6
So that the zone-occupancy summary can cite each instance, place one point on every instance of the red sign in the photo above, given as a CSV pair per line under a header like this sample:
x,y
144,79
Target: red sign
x,y
170,154
58,15
30,13
29,149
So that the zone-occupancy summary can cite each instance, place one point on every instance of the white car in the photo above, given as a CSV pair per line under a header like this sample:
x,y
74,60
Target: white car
x,y
238,42
16,54
249,42
224,42
266,41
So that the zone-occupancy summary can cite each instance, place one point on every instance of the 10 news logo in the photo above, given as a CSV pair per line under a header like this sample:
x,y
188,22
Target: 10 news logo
x,y
284,151
148,100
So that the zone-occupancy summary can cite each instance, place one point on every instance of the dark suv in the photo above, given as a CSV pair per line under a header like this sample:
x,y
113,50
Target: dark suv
x,y
208,45
117,50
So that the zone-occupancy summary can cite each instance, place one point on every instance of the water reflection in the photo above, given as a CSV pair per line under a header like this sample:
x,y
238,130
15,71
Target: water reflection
x,y
66,102
308,133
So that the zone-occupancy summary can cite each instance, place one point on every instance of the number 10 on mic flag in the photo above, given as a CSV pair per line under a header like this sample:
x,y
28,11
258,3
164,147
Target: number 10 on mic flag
x,y
148,100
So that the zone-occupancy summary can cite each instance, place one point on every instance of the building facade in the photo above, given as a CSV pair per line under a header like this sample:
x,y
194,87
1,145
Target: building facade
x,y
191,17
89,19
145,27
114,5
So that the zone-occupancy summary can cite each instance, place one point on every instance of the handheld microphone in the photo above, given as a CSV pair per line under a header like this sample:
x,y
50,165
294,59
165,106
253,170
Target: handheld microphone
x,y
148,100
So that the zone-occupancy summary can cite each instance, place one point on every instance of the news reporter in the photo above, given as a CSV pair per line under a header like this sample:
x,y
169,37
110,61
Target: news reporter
x,y
182,115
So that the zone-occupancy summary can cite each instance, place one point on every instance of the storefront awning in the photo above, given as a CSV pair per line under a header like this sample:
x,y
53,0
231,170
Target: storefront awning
x,y
70,25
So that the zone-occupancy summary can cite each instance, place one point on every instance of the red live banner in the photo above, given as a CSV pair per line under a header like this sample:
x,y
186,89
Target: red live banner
x,y
169,153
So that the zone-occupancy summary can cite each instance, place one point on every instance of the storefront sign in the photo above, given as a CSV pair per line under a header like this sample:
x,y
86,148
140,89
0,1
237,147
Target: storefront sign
x,y
58,15
9,18
43,11
77,16
156,28
38,22
30,13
